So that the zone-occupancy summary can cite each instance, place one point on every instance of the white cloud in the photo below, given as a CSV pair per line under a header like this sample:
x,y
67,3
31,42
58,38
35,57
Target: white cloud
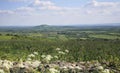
x,y
102,8
95,3
2,12
24,11
18,0
44,5
29,9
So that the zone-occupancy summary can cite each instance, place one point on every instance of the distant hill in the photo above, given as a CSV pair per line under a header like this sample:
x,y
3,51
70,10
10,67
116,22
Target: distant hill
x,y
43,26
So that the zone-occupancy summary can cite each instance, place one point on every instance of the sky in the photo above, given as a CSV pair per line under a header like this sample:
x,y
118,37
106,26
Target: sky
x,y
58,12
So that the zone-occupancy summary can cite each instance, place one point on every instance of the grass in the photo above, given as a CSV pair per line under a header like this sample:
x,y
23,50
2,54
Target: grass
x,y
104,36
35,34
92,31
114,34
5,37
62,37
83,38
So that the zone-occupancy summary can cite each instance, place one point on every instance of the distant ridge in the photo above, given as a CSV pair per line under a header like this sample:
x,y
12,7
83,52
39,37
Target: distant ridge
x,y
43,25
68,25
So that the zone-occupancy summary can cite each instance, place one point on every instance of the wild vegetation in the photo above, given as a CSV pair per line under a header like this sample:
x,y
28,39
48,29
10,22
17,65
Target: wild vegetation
x,y
76,44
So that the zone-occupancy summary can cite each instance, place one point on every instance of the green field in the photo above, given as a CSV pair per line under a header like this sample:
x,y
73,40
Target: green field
x,y
104,36
5,37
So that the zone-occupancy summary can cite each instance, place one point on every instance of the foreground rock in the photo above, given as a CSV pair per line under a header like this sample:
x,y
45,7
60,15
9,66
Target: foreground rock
x,y
53,67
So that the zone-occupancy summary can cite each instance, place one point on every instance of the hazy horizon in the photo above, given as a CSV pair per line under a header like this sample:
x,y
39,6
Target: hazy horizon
x,y
59,12
104,24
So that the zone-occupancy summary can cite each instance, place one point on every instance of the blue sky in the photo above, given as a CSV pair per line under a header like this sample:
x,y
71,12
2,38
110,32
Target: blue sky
x,y
58,12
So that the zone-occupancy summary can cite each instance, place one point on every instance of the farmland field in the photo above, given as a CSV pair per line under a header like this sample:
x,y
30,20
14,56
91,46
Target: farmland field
x,y
105,36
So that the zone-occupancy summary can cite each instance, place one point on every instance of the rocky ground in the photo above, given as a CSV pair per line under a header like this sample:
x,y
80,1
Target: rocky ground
x,y
52,64
53,67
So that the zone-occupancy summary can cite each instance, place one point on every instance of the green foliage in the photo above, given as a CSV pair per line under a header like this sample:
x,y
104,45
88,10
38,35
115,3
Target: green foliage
x,y
78,49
